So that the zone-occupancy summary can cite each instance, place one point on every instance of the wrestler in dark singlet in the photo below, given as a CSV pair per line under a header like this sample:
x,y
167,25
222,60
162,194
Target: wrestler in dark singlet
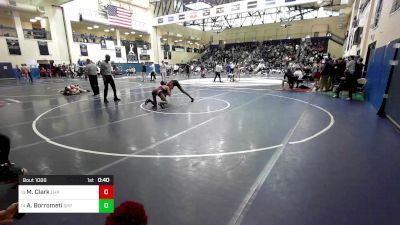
x,y
174,83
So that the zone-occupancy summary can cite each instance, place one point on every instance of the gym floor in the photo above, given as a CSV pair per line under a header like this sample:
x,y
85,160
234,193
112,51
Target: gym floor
x,y
239,154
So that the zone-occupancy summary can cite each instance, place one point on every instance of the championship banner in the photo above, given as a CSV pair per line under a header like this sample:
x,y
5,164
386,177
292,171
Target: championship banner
x,y
43,48
13,47
118,52
241,6
103,44
131,51
84,50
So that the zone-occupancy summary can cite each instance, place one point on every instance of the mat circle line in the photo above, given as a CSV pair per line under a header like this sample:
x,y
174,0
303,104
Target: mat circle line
x,y
132,155
190,113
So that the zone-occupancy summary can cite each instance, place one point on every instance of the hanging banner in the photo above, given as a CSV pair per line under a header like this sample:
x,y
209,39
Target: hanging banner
x,y
103,43
13,47
84,51
241,6
131,51
43,48
118,52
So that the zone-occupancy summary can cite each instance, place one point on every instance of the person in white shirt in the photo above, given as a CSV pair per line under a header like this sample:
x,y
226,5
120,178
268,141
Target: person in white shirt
x,y
298,75
152,72
176,69
218,70
163,70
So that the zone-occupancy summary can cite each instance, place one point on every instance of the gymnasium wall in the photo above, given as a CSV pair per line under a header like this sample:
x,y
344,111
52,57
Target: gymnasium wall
x,y
393,106
95,53
298,29
388,26
379,69
29,48
183,57
335,49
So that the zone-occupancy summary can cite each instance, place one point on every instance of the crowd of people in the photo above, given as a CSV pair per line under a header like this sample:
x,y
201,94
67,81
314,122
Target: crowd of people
x,y
89,38
262,57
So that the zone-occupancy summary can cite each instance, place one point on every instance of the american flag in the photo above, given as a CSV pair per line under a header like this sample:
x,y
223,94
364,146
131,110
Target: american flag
x,y
119,16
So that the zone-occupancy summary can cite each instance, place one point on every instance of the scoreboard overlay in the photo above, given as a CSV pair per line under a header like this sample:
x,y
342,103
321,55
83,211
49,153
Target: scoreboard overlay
x,y
66,194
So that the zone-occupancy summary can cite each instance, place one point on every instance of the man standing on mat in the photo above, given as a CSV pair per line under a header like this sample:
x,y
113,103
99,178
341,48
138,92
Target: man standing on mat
x,y
174,83
91,71
218,69
105,71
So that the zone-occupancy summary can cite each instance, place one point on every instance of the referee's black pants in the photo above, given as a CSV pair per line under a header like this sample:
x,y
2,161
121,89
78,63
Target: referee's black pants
x,y
217,74
94,84
108,79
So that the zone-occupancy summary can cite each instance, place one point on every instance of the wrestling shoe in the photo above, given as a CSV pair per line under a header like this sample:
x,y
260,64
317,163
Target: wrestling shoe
x,y
161,105
117,99
192,100
147,101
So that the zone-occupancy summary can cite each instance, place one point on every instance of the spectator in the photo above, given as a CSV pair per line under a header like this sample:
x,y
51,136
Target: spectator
x,y
163,70
7,215
298,76
43,72
19,74
317,69
289,78
358,69
152,72
326,72
8,171
143,71
128,213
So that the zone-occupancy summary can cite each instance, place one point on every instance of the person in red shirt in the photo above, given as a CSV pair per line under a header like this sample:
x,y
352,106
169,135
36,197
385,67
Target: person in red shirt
x,y
43,72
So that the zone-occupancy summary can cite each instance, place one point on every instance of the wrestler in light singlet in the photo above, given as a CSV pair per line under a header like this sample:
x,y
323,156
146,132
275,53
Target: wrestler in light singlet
x,y
162,91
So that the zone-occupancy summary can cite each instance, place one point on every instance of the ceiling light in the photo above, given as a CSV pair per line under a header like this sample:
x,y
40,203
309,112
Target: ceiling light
x,y
179,35
106,30
95,26
140,35
164,39
38,18
180,40
132,32
126,33
33,20
89,28
176,41
112,29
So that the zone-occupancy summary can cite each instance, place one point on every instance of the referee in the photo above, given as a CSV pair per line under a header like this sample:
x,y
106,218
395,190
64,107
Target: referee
x,y
105,71
91,71
218,70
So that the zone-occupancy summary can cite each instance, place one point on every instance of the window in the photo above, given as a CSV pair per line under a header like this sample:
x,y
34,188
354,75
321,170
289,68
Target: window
x,y
377,13
395,6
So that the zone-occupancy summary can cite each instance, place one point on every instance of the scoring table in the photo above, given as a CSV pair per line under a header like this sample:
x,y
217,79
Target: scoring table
x,y
66,194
